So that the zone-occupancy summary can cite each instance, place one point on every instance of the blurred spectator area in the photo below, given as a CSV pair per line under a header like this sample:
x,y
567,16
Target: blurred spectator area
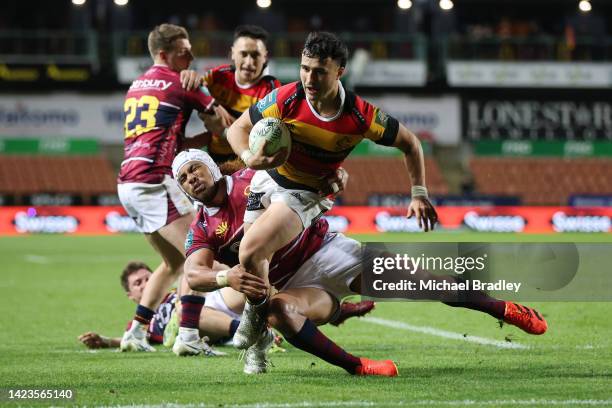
x,y
386,176
83,176
541,181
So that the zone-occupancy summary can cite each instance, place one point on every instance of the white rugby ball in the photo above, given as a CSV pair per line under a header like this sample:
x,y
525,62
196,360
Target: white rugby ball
x,y
272,130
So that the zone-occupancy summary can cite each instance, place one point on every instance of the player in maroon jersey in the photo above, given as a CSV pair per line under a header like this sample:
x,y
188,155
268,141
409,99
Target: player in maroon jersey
x,y
311,279
326,123
156,112
311,292
236,87
215,322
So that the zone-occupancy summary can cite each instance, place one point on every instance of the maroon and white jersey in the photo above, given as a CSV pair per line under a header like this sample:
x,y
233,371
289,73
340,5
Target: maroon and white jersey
x,y
221,230
156,112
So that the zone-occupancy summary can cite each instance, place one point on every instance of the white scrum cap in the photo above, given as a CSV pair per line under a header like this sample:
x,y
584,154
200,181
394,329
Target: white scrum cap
x,y
186,156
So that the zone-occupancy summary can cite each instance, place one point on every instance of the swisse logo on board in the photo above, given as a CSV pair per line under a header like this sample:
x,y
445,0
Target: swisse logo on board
x,y
386,222
563,222
30,221
494,223
116,222
337,223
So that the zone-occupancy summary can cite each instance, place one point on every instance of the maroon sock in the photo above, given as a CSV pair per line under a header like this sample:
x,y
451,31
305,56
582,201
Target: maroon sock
x,y
191,309
144,315
477,300
313,341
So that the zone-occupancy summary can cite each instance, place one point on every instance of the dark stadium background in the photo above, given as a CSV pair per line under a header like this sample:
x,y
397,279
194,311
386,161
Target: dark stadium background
x,y
512,100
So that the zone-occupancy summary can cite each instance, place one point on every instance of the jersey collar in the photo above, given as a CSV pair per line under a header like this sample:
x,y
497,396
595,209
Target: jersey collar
x,y
337,115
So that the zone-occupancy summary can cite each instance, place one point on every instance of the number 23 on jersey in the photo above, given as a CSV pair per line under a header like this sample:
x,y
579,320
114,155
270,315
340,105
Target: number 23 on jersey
x,y
140,115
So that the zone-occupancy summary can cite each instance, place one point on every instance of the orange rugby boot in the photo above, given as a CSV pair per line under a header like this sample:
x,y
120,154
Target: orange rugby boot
x,y
385,368
525,318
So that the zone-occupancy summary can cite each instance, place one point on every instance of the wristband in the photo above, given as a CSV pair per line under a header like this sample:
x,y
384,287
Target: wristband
x,y
419,191
245,156
221,278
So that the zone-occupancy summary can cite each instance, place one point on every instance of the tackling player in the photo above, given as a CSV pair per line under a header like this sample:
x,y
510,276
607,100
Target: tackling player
x,y
312,274
326,123
156,110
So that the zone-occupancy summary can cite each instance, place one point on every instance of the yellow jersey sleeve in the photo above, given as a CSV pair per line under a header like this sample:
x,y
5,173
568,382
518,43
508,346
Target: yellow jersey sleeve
x,y
383,128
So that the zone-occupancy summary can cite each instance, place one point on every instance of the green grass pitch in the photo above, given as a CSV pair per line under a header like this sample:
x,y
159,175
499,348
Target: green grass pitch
x,y
55,287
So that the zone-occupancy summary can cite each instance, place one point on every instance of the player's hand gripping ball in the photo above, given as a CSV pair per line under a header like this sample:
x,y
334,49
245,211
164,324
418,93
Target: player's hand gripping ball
x,y
271,131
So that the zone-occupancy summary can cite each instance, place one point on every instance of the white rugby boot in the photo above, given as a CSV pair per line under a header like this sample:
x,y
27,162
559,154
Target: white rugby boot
x,y
135,339
251,325
255,358
186,345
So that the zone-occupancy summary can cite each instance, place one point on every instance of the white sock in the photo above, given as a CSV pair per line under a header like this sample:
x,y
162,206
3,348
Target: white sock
x,y
189,334
138,329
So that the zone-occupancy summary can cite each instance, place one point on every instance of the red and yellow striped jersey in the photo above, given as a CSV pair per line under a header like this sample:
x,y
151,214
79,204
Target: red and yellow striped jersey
x,y
221,82
319,146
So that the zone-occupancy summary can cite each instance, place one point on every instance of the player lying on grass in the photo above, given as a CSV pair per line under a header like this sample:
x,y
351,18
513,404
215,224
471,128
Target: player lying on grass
x,y
311,274
218,320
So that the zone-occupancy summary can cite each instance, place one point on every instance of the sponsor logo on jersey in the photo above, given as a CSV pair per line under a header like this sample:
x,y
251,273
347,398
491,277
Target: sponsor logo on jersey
x,y
267,101
189,240
151,84
381,118
221,229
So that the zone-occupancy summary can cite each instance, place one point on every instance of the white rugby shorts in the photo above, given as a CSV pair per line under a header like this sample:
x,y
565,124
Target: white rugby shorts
x,y
153,206
332,268
214,300
308,205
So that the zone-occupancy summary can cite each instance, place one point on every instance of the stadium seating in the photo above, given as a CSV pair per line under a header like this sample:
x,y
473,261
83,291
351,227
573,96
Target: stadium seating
x,y
83,176
386,175
541,181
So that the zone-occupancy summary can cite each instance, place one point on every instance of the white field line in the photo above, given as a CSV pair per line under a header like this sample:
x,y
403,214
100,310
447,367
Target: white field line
x,y
443,333
37,259
331,404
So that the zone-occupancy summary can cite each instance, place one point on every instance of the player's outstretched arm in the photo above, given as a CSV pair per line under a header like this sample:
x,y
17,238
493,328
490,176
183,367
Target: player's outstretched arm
x,y
202,277
96,341
420,206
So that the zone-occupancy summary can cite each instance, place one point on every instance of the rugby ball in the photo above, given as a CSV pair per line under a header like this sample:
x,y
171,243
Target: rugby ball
x,y
270,130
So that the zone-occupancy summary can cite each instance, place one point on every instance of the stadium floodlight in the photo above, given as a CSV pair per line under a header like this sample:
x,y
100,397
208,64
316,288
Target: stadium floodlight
x,y
264,3
446,4
584,6
404,4
121,2
78,2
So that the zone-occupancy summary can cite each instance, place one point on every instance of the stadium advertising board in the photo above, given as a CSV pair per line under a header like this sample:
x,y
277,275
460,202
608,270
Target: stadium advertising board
x,y
28,73
529,74
355,220
434,119
63,114
536,119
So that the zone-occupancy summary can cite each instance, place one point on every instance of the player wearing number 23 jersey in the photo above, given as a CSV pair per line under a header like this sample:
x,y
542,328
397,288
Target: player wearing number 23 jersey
x,y
156,112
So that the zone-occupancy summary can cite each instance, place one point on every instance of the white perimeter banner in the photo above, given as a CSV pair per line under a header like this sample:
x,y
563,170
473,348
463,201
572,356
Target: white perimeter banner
x,y
69,115
529,74
436,119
